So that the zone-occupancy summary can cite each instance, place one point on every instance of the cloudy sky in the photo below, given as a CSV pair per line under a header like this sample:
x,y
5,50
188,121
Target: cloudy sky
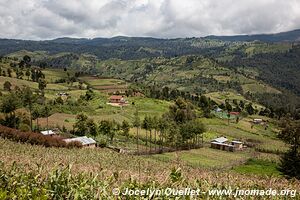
x,y
47,19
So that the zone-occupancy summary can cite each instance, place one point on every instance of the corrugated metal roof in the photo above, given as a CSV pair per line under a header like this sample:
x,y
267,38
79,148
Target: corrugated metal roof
x,y
48,132
83,140
221,140
237,142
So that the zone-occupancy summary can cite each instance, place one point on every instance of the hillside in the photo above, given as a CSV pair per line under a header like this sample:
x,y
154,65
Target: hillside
x,y
153,108
291,36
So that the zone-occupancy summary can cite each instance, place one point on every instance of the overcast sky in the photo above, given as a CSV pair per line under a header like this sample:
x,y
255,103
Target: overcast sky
x,y
47,19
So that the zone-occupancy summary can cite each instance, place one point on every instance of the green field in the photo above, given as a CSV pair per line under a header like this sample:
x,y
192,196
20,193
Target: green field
x,y
258,167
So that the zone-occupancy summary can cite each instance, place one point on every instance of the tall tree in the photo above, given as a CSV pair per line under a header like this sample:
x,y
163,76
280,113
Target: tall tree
x,y
125,129
28,99
290,161
8,106
80,126
137,123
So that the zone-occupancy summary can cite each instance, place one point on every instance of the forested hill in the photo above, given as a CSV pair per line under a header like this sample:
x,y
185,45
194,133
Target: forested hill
x,y
289,36
141,47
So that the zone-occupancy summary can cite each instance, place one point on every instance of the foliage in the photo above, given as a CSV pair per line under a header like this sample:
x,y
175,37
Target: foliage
x,y
34,138
290,162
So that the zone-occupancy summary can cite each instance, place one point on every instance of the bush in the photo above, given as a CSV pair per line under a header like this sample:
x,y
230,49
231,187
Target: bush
x,y
102,143
35,138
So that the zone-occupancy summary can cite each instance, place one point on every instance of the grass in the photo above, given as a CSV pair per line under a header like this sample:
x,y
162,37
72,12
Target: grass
x,y
207,158
32,85
258,167
33,167
259,88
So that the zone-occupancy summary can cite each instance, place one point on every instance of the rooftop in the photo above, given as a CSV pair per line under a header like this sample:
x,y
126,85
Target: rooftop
x,y
220,140
116,97
48,132
83,140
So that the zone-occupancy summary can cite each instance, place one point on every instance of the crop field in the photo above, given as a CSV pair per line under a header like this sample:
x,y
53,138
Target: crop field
x,y
104,169
30,84
259,88
105,84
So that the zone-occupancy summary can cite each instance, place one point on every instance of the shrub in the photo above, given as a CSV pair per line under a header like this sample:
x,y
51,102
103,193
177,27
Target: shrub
x,y
35,138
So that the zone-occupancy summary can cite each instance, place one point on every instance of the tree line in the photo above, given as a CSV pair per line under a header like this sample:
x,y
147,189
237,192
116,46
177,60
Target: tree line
x,y
177,128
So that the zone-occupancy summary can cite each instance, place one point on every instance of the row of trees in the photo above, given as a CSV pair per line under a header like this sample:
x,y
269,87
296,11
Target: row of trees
x,y
23,98
177,128
87,126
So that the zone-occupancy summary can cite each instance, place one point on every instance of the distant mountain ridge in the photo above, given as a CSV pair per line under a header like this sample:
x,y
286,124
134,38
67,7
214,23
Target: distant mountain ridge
x,y
290,36
123,47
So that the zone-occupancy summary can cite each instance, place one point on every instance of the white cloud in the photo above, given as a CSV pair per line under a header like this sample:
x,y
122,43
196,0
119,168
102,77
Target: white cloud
x,y
44,19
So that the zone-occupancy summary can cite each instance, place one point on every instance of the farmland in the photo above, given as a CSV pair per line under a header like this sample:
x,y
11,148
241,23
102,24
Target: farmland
x,y
205,168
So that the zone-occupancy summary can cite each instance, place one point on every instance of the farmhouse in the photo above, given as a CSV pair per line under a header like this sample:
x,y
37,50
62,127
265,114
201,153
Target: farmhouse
x,y
85,141
48,132
223,144
117,99
257,121
218,109
234,113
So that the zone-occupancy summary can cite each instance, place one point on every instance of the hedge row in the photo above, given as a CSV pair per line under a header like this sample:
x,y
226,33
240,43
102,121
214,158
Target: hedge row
x,y
35,138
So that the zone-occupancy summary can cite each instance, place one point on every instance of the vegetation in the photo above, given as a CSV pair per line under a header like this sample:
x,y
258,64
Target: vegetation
x,y
35,138
290,163
180,94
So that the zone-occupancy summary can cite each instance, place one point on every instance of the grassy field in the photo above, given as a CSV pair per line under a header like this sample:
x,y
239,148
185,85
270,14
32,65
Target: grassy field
x,y
106,170
259,88
108,85
258,167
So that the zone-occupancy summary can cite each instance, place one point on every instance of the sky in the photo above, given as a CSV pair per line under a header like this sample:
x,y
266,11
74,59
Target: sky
x,y
48,19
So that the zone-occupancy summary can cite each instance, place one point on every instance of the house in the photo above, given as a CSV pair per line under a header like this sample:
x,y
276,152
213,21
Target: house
x,y
257,121
85,141
238,145
222,143
48,132
218,110
234,113
220,140
117,99
62,94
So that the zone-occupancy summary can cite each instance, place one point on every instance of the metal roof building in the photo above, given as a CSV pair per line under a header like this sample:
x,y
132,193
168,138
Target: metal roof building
x,y
85,141
48,132
220,140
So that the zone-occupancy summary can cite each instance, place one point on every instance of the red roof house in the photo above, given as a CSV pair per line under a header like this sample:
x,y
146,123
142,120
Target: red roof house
x,y
234,113
117,99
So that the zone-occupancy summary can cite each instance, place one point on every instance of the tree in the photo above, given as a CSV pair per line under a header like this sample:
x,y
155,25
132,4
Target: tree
x,y
146,126
89,95
9,72
92,127
27,60
125,128
290,161
137,123
27,73
81,124
42,84
7,86
162,127
36,114
191,130
249,109
8,106
28,99
180,112
106,128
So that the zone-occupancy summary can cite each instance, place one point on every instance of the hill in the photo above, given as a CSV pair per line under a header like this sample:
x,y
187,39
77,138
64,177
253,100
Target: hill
x,y
140,47
290,36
